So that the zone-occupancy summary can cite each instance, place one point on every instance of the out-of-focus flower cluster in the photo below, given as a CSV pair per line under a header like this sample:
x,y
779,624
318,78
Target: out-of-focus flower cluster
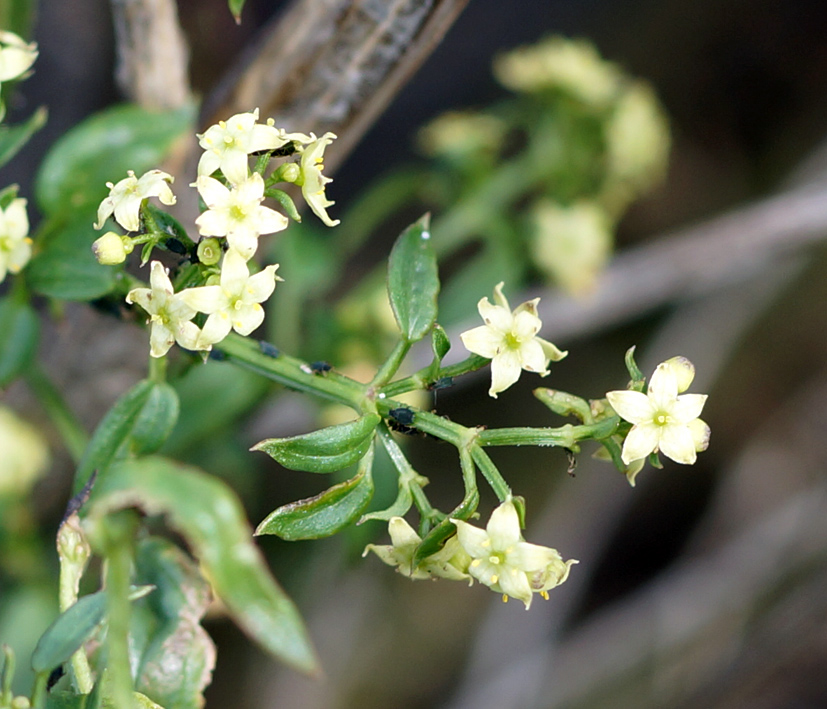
x,y
231,295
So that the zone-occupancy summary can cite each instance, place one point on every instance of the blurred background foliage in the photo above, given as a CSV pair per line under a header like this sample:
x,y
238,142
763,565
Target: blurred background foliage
x,y
703,586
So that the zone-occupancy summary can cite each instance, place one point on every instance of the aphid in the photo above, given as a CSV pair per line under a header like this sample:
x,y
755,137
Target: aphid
x,y
54,677
320,367
441,383
400,420
268,349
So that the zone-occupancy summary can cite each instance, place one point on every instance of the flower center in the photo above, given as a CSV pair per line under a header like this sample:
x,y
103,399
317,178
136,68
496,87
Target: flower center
x,y
662,418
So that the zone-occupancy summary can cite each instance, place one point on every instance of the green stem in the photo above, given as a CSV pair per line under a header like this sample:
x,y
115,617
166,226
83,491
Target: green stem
x,y
391,364
424,378
491,474
564,437
292,372
408,476
7,676
158,369
74,436
120,528
39,690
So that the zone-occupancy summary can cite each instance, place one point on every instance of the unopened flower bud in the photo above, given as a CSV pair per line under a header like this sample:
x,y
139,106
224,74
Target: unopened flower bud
x,y
110,249
290,172
209,251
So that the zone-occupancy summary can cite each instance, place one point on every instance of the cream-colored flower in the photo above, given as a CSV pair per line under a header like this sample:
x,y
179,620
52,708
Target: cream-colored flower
x,y
237,213
234,304
228,143
504,562
125,198
25,455
572,243
509,339
15,244
169,314
450,562
664,419
312,180
573,66
112,248
16,58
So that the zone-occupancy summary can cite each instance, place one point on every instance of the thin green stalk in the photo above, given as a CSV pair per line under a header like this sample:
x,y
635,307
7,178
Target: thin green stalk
x,y
424,377
39,690
564,436
391,364
408,476
158,369
74,436
292,372
491,474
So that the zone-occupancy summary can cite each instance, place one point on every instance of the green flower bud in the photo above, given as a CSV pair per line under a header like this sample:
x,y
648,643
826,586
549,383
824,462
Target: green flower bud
x,y
111,248
289,172
209,251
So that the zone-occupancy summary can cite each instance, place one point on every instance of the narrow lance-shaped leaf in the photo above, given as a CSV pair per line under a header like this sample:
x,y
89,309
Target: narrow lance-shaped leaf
x,y
20,328
140,421
209,516
326,450
413,281
327,513
13,138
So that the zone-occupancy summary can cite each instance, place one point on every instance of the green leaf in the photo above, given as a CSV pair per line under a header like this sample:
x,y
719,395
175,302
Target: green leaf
x,y
439,342
103,147
65,266
413,282
210,517
325,514
68,632
156,419
326,450
436,538
172,654
138,422
399,507
20,330
12,138
634,371
236,6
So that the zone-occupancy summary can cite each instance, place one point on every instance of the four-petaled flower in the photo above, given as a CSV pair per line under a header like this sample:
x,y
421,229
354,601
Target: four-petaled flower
x,y
509,339
664,419
237,213
125,198
169,315
234,304
15,244
450,562
503,561
312,180
228,143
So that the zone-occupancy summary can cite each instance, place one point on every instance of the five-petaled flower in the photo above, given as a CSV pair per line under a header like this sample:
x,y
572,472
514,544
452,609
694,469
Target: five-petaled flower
x,y
169,315
233,304
125,198
509,339
15,244
237,213
312,180
450,562
503,561
228,143
664,419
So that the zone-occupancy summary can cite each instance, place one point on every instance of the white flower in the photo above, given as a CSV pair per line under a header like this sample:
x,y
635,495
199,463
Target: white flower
x,y
15,244
169,315
16,57
126,196
112,248
237,213
664,419
228,143
450,562
234,304
503,561
509,340
312,180
25,455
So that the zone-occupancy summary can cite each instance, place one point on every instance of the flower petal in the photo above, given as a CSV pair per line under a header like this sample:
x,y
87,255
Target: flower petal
x,y
505,370
677,443
631,405
483,341
640,442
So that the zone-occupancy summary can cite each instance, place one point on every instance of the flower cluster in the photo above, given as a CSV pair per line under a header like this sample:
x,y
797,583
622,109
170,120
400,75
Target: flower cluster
x,y
496,556
231,297
509,339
